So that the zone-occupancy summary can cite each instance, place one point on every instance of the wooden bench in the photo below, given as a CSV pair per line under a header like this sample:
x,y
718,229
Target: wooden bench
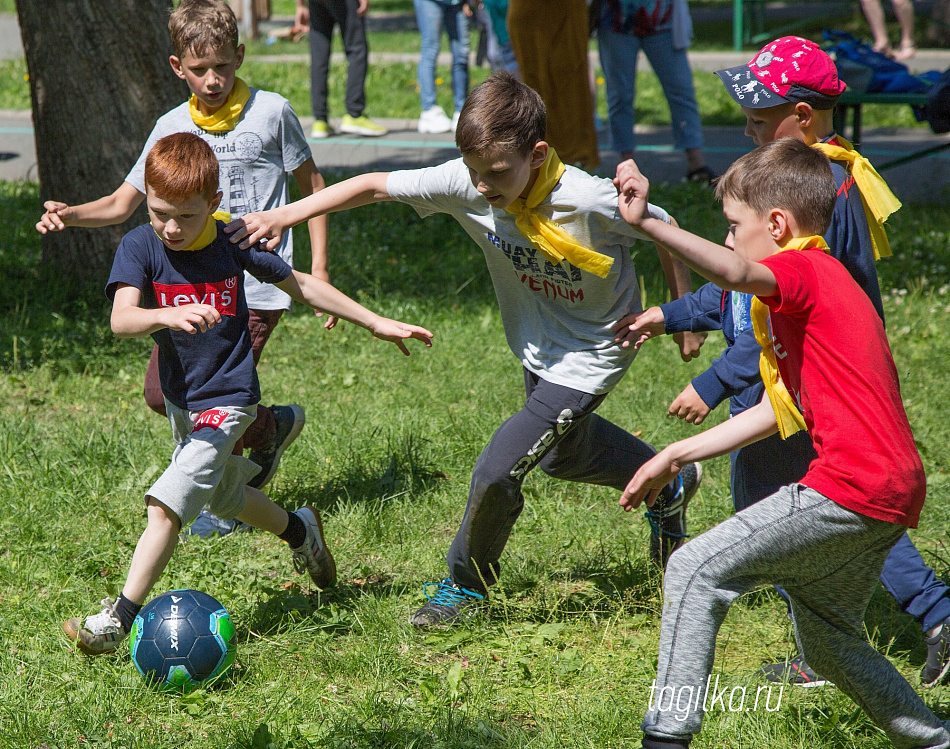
x,y
851,103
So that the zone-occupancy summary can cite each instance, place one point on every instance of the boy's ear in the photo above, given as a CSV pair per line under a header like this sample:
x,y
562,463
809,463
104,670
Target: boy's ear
x,y
539,155
239,57
805,114
780,225
177,67
216,201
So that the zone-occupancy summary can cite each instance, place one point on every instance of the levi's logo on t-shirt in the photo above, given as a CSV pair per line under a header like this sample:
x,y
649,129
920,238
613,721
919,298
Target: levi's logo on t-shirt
x,y
222,295
210,419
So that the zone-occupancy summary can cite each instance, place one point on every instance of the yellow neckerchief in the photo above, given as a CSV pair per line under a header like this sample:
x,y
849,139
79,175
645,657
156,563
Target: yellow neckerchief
x,y
555,243
225,118
789,418
207,235
878,200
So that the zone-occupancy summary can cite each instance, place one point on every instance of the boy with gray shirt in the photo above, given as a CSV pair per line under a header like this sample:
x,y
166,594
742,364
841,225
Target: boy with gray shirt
x,y
558,253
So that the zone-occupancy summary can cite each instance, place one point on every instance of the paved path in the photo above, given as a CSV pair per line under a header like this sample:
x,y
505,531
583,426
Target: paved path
x,y
403,147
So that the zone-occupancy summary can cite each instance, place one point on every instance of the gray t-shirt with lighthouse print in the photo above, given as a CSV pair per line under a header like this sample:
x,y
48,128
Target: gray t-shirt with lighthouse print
x,y
255,159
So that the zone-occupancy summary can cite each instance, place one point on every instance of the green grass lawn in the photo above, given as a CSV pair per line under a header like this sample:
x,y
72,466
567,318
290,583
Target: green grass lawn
x,y
565,654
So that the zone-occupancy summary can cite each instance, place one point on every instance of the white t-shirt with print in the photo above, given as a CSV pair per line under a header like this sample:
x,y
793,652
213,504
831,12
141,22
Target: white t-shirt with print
x,y
557,318
255,158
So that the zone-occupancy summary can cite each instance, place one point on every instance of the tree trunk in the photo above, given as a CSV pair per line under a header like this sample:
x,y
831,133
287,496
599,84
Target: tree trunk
x,y
99,78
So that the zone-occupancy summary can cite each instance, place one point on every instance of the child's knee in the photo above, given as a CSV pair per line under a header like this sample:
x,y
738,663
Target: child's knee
x,y
161,516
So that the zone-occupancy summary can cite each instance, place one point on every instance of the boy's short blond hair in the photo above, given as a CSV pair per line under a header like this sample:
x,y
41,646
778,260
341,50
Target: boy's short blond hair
x,y
784,174
201,27
501,114
181,166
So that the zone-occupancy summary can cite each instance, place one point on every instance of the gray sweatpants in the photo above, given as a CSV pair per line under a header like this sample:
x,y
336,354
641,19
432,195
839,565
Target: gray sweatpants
x,y
829,559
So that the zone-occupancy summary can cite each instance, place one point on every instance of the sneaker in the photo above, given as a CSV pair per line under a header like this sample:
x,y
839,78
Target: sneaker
x,y
449,604
455,121
938,656
361,125
207,525
321,129
314,556
434,120
703,176
290,420
99,633
667,517
795,671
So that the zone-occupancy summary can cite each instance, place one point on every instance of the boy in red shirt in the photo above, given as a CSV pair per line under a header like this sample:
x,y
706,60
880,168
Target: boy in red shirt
x,y
827,368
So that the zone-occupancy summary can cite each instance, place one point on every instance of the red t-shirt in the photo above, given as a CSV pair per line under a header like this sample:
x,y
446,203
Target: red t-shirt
x,y
834,359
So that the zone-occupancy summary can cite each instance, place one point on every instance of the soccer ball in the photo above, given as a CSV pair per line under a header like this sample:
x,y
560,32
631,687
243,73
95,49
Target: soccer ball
x,y
182,639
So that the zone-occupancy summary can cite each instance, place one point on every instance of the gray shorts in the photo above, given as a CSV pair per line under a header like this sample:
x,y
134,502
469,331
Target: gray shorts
x,y
203,471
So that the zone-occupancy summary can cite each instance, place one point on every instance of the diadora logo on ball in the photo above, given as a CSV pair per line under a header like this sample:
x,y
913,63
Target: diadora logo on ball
x,y
173,624
221,295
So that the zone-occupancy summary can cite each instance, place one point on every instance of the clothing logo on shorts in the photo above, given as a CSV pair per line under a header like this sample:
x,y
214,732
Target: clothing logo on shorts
x,y
210,419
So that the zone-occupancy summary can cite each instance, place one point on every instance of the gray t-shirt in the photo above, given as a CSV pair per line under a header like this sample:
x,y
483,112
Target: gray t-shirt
x,y
557,318
255,159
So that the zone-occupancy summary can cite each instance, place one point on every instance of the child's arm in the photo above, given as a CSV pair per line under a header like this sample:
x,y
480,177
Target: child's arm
x,y
310,181
129,320
107,211
269,225
639,327
679,283
319,294
749,426
720,265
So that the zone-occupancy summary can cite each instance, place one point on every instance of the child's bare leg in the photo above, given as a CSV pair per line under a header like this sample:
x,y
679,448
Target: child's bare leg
x,y
262,513
152,552
302,529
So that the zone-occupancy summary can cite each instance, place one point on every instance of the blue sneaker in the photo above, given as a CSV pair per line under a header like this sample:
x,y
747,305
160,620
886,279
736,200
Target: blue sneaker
x,y
207,525
667,517
290,421
449,604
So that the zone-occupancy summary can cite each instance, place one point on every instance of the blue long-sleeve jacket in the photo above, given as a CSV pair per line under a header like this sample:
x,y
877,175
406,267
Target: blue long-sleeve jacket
x,y
735,373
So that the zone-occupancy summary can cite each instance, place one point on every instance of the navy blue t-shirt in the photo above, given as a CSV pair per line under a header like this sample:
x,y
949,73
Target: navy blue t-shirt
x,y
201,370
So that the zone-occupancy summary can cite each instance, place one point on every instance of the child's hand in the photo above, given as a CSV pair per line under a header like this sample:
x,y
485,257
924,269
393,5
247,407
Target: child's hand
x,y
638,327
252,228
55,218
689,343
634,189
190,318
649,481
689,406
397,332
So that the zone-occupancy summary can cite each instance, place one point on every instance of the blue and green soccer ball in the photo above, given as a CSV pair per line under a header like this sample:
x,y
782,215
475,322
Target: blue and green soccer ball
x,y
183,639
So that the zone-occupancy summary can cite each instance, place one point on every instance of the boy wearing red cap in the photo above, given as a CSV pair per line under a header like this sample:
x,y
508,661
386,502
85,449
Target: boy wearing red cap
x,y
789,89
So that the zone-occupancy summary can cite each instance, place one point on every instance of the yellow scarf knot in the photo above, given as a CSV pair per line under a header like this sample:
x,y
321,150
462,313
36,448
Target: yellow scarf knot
x,y
787,415
878,200
554,242
208,233
226,117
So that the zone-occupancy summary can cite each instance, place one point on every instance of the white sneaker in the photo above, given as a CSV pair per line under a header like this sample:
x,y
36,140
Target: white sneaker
x,y
434,120
313,556
98,633
455,121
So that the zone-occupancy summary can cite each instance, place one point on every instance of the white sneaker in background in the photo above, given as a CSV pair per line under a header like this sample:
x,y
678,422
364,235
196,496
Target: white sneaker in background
x,y
434,120
455,121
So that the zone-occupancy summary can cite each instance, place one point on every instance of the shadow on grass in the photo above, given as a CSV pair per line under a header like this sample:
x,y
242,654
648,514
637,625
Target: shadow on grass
x,y
385,724
399,470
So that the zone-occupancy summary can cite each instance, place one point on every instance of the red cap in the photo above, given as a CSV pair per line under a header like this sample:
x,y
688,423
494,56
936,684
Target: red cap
x,y
790,69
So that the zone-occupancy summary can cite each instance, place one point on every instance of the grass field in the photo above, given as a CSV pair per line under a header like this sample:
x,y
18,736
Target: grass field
x,y
565,654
